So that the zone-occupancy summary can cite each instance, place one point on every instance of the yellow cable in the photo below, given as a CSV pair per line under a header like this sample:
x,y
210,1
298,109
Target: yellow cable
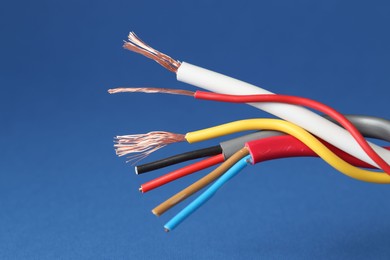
x,y
296,131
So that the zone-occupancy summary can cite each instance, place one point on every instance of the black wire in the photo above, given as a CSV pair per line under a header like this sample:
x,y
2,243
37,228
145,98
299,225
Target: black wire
x,y
147,167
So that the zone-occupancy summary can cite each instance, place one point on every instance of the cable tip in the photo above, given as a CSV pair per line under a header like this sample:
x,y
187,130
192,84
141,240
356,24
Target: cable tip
x,y
135,44
166,229
144,144
155,212
111,91
136,170
140,189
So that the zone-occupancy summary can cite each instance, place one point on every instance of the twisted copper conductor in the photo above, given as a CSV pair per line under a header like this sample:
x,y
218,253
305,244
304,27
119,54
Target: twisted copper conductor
x,y
137,45
152,90
144,144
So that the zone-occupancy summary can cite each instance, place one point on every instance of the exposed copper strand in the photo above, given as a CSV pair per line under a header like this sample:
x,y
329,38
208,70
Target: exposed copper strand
x,y
144,144
134,48
135,39
153,90
135,44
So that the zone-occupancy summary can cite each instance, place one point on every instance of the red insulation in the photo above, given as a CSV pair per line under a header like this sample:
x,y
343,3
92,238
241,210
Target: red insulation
x,y
203,164
288,146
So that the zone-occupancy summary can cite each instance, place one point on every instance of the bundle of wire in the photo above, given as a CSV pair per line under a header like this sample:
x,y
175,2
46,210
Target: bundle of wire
x,y
337,139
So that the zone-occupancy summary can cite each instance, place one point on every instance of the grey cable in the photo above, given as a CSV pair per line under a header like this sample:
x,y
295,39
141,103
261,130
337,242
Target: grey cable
x,y
231,146
369,126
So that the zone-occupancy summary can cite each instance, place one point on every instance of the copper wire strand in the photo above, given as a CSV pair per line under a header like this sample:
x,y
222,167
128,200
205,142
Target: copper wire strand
x,y
134,159
134,48
144,144
201,183
135,44
153,90
134,38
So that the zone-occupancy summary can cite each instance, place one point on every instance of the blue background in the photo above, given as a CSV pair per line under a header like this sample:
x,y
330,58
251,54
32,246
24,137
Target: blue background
x,y
64,193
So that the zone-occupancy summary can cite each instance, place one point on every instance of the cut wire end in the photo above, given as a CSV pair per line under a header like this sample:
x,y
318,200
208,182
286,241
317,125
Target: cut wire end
x,y
144,144
152,91
135,44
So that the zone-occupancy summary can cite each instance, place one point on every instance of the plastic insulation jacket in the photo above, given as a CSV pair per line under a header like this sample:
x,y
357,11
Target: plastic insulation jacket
x,y
289,128
191,155
301,101
206,195
179,173
285,146
312,122
201,183
369,126
231,146
275,147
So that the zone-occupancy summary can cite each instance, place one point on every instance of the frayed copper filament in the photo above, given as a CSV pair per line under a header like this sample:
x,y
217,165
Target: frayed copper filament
x,y
137,45
153,90
144,144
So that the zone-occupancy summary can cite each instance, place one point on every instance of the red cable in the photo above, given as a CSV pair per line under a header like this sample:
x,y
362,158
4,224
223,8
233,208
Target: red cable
x,y
288,146
302,102
150,185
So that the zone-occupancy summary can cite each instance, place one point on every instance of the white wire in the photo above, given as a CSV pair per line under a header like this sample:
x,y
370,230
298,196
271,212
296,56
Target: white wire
x,y
306,119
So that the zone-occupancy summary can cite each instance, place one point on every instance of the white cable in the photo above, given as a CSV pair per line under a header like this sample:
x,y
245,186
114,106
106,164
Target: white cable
x,y
300,116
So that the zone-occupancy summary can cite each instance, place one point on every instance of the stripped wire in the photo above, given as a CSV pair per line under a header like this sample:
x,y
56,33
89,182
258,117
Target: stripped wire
x,y
152,90
369,126
289,128
300,101
305,144
144,144
135,44
216,82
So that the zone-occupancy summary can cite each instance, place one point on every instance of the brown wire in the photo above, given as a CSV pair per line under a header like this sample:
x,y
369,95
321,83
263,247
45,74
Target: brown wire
x,y
182,195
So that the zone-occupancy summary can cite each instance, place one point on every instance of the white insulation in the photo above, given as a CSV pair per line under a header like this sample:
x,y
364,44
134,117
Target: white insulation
x,y
300,116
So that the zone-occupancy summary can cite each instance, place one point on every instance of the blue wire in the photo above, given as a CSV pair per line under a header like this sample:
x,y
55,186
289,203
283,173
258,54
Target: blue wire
x,y
206,195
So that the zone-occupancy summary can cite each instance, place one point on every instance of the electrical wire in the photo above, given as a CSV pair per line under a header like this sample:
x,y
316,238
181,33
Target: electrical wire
x,y
296,131
369,126
260,150
174,175
191,155
165,138
270,146
198,185
306,102
303,142
302,117
285,146
206,195
231,146
279,99
220,83
263,149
